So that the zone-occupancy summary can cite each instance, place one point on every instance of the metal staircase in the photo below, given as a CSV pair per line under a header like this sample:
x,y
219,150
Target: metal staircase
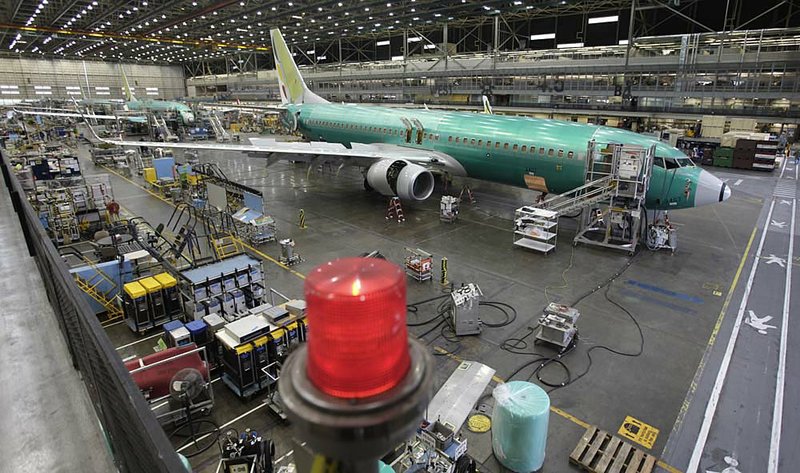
x,y
91,286
591,193
220,132
161,126
226,246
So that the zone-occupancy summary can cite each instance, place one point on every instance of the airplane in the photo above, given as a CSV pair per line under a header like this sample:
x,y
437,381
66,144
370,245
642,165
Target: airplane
x,y
134,104
56,112
401,149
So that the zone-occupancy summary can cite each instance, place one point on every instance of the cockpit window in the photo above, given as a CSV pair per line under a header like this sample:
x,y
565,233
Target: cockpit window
x,y
673,163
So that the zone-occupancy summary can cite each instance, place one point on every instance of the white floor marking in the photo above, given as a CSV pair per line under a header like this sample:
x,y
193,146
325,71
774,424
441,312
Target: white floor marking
x,y
777,413
138,341
772,259
711,407
759,323
738,181
775,223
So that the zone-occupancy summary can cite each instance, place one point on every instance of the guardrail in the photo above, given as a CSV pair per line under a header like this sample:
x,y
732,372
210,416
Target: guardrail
x,y
136,440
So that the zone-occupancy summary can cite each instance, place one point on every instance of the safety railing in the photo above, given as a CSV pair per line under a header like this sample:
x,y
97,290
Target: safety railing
x,y
135,438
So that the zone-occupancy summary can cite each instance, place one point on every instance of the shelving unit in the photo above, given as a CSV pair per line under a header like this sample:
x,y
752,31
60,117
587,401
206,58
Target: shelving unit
x,y
536,229
227,287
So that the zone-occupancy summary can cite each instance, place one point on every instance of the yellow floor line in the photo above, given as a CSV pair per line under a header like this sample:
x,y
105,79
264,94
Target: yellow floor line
x,y
172,204
556,410
713,337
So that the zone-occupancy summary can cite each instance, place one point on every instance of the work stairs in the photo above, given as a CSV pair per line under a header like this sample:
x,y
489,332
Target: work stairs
x,y
91,286
591,193
220,132
143,161
225,246
163,129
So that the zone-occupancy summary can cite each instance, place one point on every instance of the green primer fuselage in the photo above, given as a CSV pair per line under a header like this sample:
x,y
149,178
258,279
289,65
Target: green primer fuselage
x,y
183,110
562,169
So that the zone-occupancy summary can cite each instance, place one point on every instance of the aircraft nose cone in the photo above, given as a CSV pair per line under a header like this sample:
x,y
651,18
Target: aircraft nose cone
x,y
710,189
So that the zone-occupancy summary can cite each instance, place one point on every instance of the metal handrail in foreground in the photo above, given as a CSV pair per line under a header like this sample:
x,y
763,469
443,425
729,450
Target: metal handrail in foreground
x,y
135,438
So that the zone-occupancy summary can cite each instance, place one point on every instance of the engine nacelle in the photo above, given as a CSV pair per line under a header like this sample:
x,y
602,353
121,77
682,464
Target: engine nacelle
x,y
401,178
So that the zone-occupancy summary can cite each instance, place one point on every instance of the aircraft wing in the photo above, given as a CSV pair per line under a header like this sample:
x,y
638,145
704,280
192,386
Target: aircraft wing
x,y
136,119
357,154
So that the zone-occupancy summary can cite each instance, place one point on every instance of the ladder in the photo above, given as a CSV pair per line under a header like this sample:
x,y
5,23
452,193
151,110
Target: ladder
x,y
219,131
90,286
395,210
226,246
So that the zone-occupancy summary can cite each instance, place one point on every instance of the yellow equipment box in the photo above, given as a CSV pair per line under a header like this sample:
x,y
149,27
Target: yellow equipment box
x,y
150,175
150,285
166,280
192,179
134,290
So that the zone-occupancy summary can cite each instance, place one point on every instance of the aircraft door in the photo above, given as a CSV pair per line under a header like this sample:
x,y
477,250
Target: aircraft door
x,y
420,131
409,129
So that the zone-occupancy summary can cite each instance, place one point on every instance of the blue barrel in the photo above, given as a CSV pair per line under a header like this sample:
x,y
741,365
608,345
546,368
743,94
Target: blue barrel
x,y
198,331
519,425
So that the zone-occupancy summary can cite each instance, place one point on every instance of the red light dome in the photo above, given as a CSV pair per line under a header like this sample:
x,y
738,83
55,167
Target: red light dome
x,y
357,341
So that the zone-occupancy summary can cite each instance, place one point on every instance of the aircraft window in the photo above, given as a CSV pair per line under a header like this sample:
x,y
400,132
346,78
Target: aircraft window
x,y
571,155
533,149
480,142
671,163
524,148
449,138
541,151
488,144
465,140
496,145
658,161
516,147
384,131
458,140
551,153
472,142
505,145
561,153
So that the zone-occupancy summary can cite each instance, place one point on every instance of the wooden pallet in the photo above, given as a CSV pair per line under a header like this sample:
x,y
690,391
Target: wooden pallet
x,y
600,452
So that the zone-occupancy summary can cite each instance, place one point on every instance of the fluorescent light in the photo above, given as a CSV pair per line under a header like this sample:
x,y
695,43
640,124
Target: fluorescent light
x,y
9,92
429,46
42,87
569,45
623,42
397,58
414,39
102,92
311,52
101,88
72,87
321,58
9,87
603,19
536,37
44,92
152,89
383,43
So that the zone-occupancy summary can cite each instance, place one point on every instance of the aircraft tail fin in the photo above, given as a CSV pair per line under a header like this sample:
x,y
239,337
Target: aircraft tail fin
x,y
128,92
487,107
292,88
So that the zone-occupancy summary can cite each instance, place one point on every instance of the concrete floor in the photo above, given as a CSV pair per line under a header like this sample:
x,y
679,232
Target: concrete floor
x,y
675,298
48,420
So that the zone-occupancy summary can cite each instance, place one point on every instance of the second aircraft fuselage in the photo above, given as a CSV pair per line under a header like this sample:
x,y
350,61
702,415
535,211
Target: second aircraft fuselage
x,y
506,149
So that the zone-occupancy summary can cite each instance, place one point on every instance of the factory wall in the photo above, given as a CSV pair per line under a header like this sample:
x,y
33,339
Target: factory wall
x,y
22,79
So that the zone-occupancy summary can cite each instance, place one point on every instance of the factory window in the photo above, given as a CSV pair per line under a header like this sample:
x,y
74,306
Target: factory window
x,y
505,145
561,153
541,151
516,147
571,155
551,153
472,142
524,148
449,138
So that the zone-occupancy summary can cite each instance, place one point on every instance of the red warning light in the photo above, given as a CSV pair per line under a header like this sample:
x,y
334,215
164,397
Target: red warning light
x,y
358,342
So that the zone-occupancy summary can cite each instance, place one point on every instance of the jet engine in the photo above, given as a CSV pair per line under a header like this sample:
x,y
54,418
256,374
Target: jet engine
x,y
401,178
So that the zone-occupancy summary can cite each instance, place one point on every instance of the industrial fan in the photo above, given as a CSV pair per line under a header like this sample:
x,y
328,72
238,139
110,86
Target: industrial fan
x,y
186,386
